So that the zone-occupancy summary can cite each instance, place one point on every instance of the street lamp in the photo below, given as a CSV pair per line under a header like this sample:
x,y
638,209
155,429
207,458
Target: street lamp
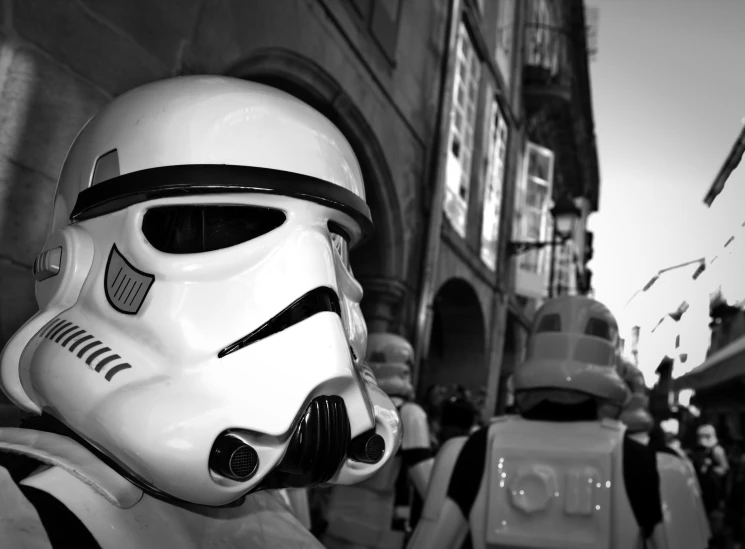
x,y
565,215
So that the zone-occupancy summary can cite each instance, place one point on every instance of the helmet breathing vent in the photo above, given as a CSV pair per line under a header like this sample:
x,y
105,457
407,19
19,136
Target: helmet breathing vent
x,y
243,462
231,457
367,448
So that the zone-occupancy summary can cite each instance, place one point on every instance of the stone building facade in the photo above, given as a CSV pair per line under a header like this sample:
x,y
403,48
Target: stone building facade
x,y
434,96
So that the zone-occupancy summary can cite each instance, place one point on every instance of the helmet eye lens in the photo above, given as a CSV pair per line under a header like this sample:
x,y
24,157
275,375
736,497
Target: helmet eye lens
x,y
193,229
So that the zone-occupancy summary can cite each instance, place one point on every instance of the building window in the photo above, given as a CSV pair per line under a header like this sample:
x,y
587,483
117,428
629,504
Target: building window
x,y
542,40
381,19
494,180
535,198
460,140
505,25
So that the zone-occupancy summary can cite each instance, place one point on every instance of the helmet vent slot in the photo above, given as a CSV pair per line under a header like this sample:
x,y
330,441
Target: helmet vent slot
x,y
107,167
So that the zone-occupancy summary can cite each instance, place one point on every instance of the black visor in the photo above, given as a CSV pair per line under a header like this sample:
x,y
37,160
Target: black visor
x,y
192,229
199,179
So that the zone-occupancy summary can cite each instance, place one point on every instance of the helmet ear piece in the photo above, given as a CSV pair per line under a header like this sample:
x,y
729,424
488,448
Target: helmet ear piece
x,y
62,267
60,271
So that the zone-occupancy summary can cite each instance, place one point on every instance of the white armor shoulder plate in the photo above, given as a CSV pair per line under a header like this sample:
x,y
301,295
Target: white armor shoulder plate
x,y
121,516
65,453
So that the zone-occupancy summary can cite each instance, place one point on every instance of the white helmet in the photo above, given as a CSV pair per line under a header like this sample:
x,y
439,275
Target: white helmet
x,y
572,351
199,324
391,359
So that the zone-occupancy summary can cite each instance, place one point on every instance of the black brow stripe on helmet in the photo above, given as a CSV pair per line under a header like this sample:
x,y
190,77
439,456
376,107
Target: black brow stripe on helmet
x,y
189,180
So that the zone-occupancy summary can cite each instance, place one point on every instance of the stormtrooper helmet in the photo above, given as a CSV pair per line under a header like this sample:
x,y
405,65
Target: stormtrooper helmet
x,y
199,323
572,357
391,359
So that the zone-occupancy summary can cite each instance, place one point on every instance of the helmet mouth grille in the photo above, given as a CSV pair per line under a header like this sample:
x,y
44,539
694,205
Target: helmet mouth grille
x,y
243,462
233,457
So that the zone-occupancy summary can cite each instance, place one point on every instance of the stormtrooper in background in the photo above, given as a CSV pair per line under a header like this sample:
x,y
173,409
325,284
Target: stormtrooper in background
x,y
199,336
563,473
679,488
377,513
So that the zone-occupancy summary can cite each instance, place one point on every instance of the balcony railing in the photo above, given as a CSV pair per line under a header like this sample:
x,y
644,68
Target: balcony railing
x,y
547,58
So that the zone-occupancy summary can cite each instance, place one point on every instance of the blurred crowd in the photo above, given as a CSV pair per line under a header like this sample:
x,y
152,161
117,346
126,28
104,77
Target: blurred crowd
x,y
717,453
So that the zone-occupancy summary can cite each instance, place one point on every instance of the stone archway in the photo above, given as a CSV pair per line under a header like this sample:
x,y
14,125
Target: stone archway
x,y
457,351
379,263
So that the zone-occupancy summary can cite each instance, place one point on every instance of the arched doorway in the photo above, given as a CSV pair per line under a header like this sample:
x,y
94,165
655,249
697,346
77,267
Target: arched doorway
x,y
457,351
379,263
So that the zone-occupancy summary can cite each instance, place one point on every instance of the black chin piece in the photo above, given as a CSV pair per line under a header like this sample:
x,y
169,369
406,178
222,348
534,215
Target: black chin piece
x,y
320,445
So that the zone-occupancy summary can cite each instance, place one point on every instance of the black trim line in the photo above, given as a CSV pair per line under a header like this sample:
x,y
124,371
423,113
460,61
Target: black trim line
x,y
88,348
188,180
318,300
93,355
73,336
79,341
49,327
58,329
104,361
115,370
65,332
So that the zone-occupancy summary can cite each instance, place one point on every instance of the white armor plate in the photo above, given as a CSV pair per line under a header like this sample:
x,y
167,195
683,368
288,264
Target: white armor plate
x,y
550,485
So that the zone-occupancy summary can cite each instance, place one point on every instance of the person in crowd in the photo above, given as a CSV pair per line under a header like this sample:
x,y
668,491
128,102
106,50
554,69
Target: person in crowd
x,y
710,462
459,415
433,400
479,402
735,494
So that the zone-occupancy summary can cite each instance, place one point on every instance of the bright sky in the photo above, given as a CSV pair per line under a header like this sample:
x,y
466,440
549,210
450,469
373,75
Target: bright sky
x,y
668,88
